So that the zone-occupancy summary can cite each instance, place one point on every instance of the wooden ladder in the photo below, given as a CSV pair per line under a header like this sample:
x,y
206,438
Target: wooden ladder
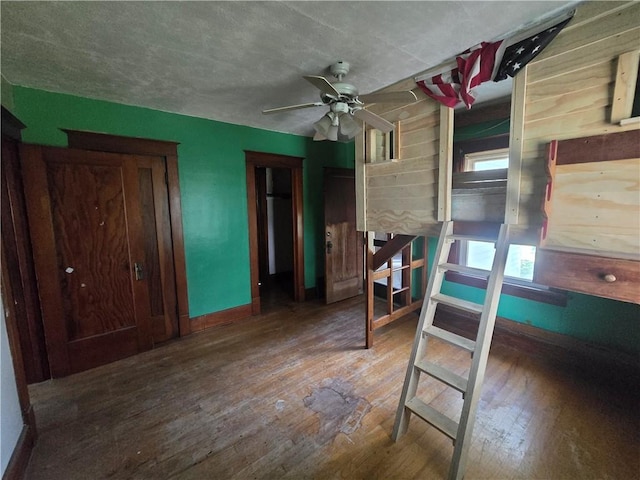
x,y
460,432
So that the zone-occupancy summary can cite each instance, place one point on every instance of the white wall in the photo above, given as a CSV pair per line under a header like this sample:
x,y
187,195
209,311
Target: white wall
x,y
10,416
280,235
279,220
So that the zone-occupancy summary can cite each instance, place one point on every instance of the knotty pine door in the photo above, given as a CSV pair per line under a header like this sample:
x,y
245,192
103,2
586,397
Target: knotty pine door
x,y
88,233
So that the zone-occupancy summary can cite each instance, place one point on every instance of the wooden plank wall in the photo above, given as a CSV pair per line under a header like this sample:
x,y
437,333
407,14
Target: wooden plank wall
x,y
479,196
567,92
401,196
596,209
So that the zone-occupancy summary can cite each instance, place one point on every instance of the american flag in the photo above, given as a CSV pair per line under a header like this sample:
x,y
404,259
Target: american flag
x,y
488,61
517,55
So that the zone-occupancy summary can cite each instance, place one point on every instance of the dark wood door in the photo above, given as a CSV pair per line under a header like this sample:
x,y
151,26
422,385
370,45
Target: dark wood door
x,y
87,233
18,268
343,243
158,246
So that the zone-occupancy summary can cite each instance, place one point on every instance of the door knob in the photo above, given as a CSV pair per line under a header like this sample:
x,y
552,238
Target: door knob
x,y
138,270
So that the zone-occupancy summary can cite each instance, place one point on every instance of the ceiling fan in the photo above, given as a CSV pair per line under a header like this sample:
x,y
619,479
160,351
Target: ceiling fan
x,y
345,103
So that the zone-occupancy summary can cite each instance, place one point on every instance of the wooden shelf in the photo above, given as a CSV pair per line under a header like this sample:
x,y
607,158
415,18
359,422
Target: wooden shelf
x,y
399,301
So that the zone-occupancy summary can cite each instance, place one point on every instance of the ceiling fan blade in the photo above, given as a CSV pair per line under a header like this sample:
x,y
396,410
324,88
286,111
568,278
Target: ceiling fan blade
x,y
292,107
374,120
396,97
322,84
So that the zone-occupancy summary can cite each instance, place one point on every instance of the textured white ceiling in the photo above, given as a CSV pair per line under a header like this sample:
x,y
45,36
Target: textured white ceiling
x,y
229,60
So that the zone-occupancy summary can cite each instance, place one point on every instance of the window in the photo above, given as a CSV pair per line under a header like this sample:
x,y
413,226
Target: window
x,y
491,154
520,259
625,105
635,107
384,146
480,254
490,160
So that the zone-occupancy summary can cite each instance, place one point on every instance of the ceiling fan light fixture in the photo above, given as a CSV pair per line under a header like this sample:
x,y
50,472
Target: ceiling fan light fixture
x,y
319,137
322,126
332,134
348,126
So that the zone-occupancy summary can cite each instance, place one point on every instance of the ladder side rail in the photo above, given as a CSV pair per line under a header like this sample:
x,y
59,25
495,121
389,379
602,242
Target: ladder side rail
x,y
420,341
480,357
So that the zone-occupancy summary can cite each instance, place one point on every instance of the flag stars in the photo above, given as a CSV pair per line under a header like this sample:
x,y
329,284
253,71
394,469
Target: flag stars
x,y
456,86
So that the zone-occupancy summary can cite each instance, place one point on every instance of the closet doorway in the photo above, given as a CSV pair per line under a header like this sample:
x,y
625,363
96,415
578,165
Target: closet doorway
x,y
276,242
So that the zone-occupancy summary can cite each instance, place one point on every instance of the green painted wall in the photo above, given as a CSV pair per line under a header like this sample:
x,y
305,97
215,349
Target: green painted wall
x,y
212,182
483,129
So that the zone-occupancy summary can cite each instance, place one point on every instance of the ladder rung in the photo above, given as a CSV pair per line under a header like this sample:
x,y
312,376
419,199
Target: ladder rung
x,y
434,417
472,238
450,338
446,376
455,267
465,305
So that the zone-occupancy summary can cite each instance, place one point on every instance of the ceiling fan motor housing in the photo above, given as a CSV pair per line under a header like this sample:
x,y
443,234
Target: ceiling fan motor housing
x,y
339,69
347,93
346,89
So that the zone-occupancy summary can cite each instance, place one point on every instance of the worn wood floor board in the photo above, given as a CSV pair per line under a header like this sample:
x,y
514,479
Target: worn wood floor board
x,y
293,394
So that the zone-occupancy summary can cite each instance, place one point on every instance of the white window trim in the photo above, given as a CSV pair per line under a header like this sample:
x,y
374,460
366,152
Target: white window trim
x,y
470,159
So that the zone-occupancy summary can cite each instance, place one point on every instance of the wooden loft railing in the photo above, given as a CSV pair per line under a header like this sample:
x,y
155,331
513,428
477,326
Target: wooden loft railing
x,y
399,301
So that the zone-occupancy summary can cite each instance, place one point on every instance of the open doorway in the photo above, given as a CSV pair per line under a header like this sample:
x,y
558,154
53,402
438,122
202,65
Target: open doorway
x,y
276,242
275,233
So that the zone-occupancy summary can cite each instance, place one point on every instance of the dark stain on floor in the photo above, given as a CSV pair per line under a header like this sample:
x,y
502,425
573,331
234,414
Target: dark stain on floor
x,y
339,409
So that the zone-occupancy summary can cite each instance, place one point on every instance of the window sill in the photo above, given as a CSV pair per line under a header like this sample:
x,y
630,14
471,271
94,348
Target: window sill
x,y
629,121
537,294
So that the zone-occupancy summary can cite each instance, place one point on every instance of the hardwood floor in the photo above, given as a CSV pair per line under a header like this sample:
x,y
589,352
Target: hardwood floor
x,y
293,394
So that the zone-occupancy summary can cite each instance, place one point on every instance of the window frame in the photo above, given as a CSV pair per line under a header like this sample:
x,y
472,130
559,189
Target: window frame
x,y
464,255
626,88
382,147
513,287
